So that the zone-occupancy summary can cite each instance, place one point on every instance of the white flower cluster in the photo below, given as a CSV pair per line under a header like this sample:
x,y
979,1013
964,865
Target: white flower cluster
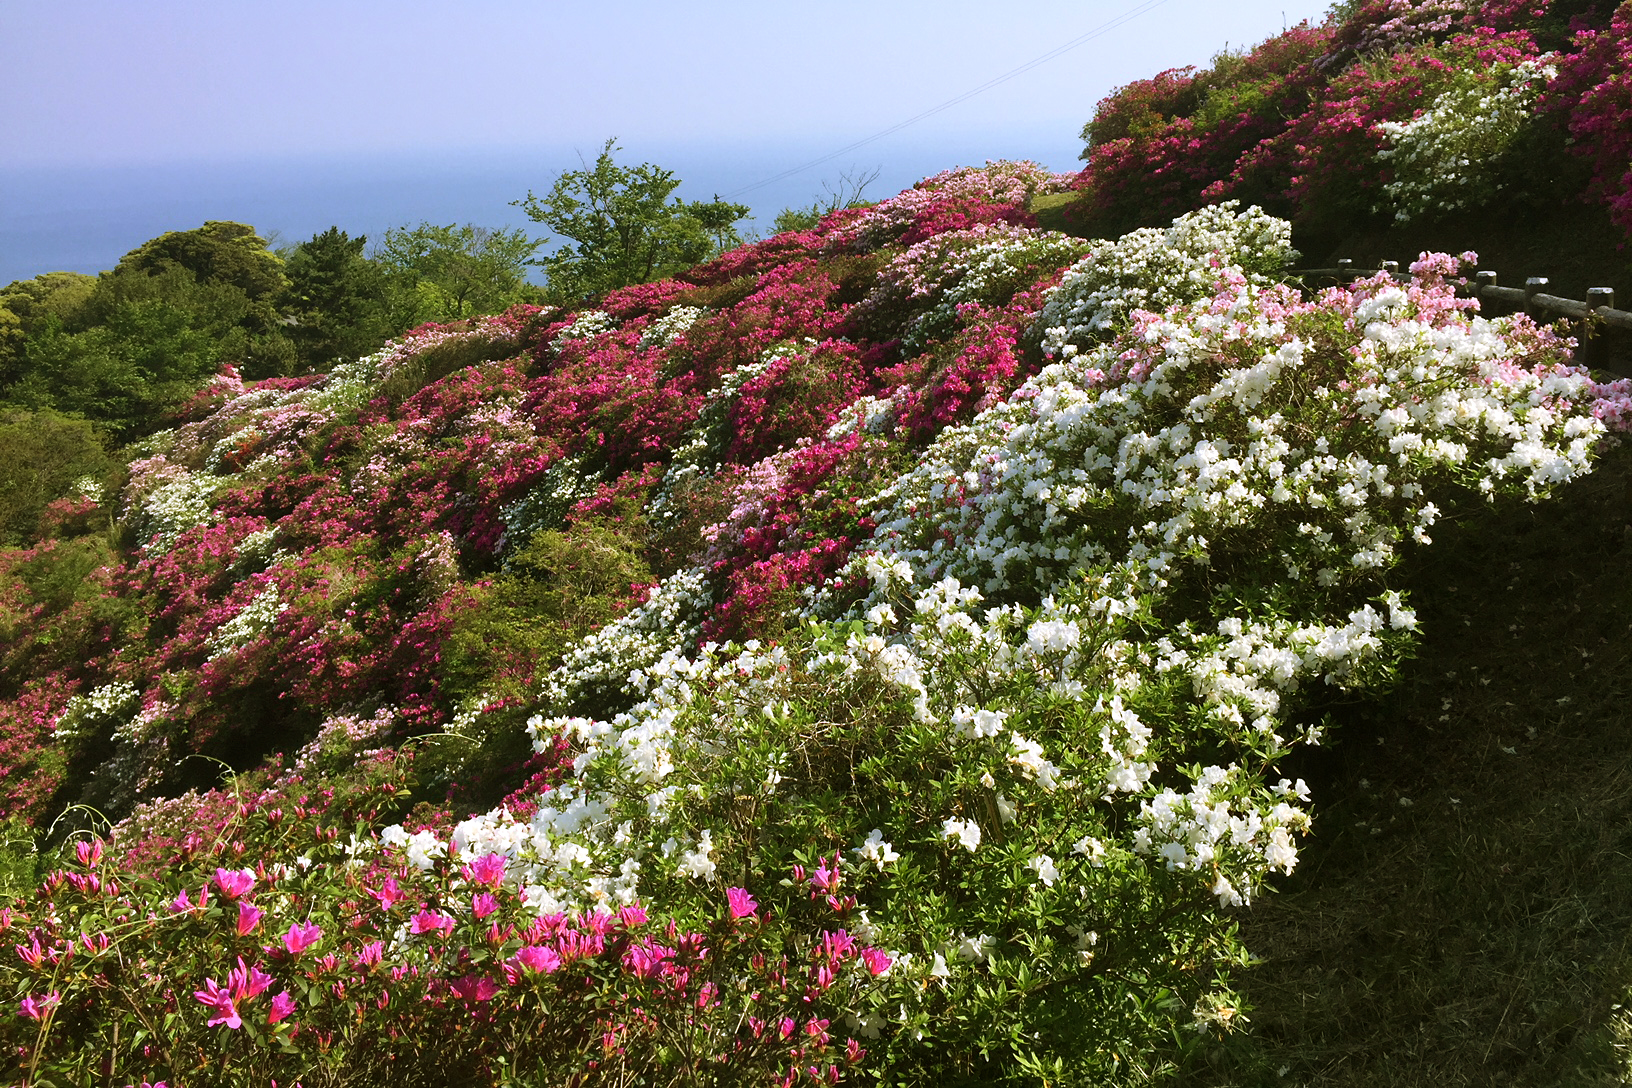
x,y
1442,159
546,504
1184,451
251,622
1191,831
613,659
177,501
869,415
1152,269
84,713
670,327
585,326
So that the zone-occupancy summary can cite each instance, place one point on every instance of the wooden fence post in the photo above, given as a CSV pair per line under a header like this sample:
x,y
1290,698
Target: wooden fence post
x,y
1593,351
1533,286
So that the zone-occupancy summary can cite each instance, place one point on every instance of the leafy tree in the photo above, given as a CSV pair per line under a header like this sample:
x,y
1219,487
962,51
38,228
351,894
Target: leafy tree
x,y
217,252
447,273
43,456
622,227
338,299
131,345
25,305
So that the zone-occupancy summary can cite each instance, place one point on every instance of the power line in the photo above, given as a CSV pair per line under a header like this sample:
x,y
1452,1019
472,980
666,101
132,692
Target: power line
x,y
1098,31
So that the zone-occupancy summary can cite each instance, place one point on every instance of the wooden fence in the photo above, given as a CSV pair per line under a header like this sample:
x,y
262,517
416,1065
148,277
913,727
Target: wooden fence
x,y
1594,316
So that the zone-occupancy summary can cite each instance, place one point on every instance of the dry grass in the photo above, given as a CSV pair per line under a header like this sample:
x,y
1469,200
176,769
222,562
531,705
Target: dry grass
x,y
1463,913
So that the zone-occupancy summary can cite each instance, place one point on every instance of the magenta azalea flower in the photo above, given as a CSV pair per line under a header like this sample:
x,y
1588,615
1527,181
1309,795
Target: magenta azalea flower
x,y
431,921
472,988
301,937
249,917
538,958
247,982
741,903
876,960
282,1006
38,1008
219,1001
234,882
482,904
487,869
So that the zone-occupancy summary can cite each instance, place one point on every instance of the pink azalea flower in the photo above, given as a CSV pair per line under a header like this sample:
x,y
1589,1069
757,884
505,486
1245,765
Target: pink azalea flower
x,y
431,921
740,902
538,958
219,1001
632,916
181,904
371,955
472,988
38,1008
487,869
249,917
876,961
234,882
301,937
89,853
389,893
282,1006
246,982
482,904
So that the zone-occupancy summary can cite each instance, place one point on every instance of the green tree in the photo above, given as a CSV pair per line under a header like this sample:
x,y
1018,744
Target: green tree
x,y
622,227
217,252
447,273
43,456
128,347
337,300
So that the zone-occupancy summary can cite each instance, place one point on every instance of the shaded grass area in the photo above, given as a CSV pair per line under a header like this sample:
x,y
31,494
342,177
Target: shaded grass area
x,y
1463,912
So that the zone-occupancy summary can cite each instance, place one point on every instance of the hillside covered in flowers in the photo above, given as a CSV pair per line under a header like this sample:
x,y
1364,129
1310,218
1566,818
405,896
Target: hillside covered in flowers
x,y
876,654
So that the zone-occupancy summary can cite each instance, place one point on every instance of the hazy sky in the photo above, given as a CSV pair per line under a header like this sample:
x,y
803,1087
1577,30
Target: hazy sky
x,y
120,81
126,117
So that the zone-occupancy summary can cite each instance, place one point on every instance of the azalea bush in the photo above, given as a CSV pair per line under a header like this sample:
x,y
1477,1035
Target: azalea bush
x,y
1388,110
881,653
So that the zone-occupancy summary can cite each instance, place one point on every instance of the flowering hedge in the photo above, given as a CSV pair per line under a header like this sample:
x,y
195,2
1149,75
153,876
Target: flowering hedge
x,y
873,655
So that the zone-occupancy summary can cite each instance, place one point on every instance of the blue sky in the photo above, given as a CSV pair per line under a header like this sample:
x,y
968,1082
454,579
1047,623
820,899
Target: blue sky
x,y
128,116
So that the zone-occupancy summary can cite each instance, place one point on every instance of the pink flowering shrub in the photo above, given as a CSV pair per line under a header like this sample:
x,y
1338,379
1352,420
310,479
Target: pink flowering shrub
x,y
1296,124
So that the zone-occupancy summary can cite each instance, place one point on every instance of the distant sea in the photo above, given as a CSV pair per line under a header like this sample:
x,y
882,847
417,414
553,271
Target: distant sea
x,y
83,219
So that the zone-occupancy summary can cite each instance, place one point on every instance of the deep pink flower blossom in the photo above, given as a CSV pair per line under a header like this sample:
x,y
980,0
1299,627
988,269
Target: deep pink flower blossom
x,y
876,961
219,1001
487,869
538,958
234,882
301,937
389,894
482,904
282,1006
741,904
249,917
475,988
38,1008
431,921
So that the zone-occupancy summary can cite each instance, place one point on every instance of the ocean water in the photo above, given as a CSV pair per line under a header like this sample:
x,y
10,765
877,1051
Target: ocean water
x,y
83,219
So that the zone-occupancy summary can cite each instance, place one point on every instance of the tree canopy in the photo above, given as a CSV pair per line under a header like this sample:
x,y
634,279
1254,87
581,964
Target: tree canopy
x,y
622,226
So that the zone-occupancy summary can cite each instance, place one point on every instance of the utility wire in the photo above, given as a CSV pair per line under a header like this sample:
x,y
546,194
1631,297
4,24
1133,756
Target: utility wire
x,y
1104,28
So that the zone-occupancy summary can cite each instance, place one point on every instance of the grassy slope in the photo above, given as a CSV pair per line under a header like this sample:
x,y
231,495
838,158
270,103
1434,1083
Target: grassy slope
x,y
1463,912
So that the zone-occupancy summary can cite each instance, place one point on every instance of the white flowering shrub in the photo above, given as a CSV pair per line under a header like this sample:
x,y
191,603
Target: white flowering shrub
x,y
251,622
1154,268
670,327
985,264
1442,159
585,326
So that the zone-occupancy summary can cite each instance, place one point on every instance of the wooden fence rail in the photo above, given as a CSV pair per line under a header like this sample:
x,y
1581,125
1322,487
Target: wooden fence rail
x,y
1592,346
